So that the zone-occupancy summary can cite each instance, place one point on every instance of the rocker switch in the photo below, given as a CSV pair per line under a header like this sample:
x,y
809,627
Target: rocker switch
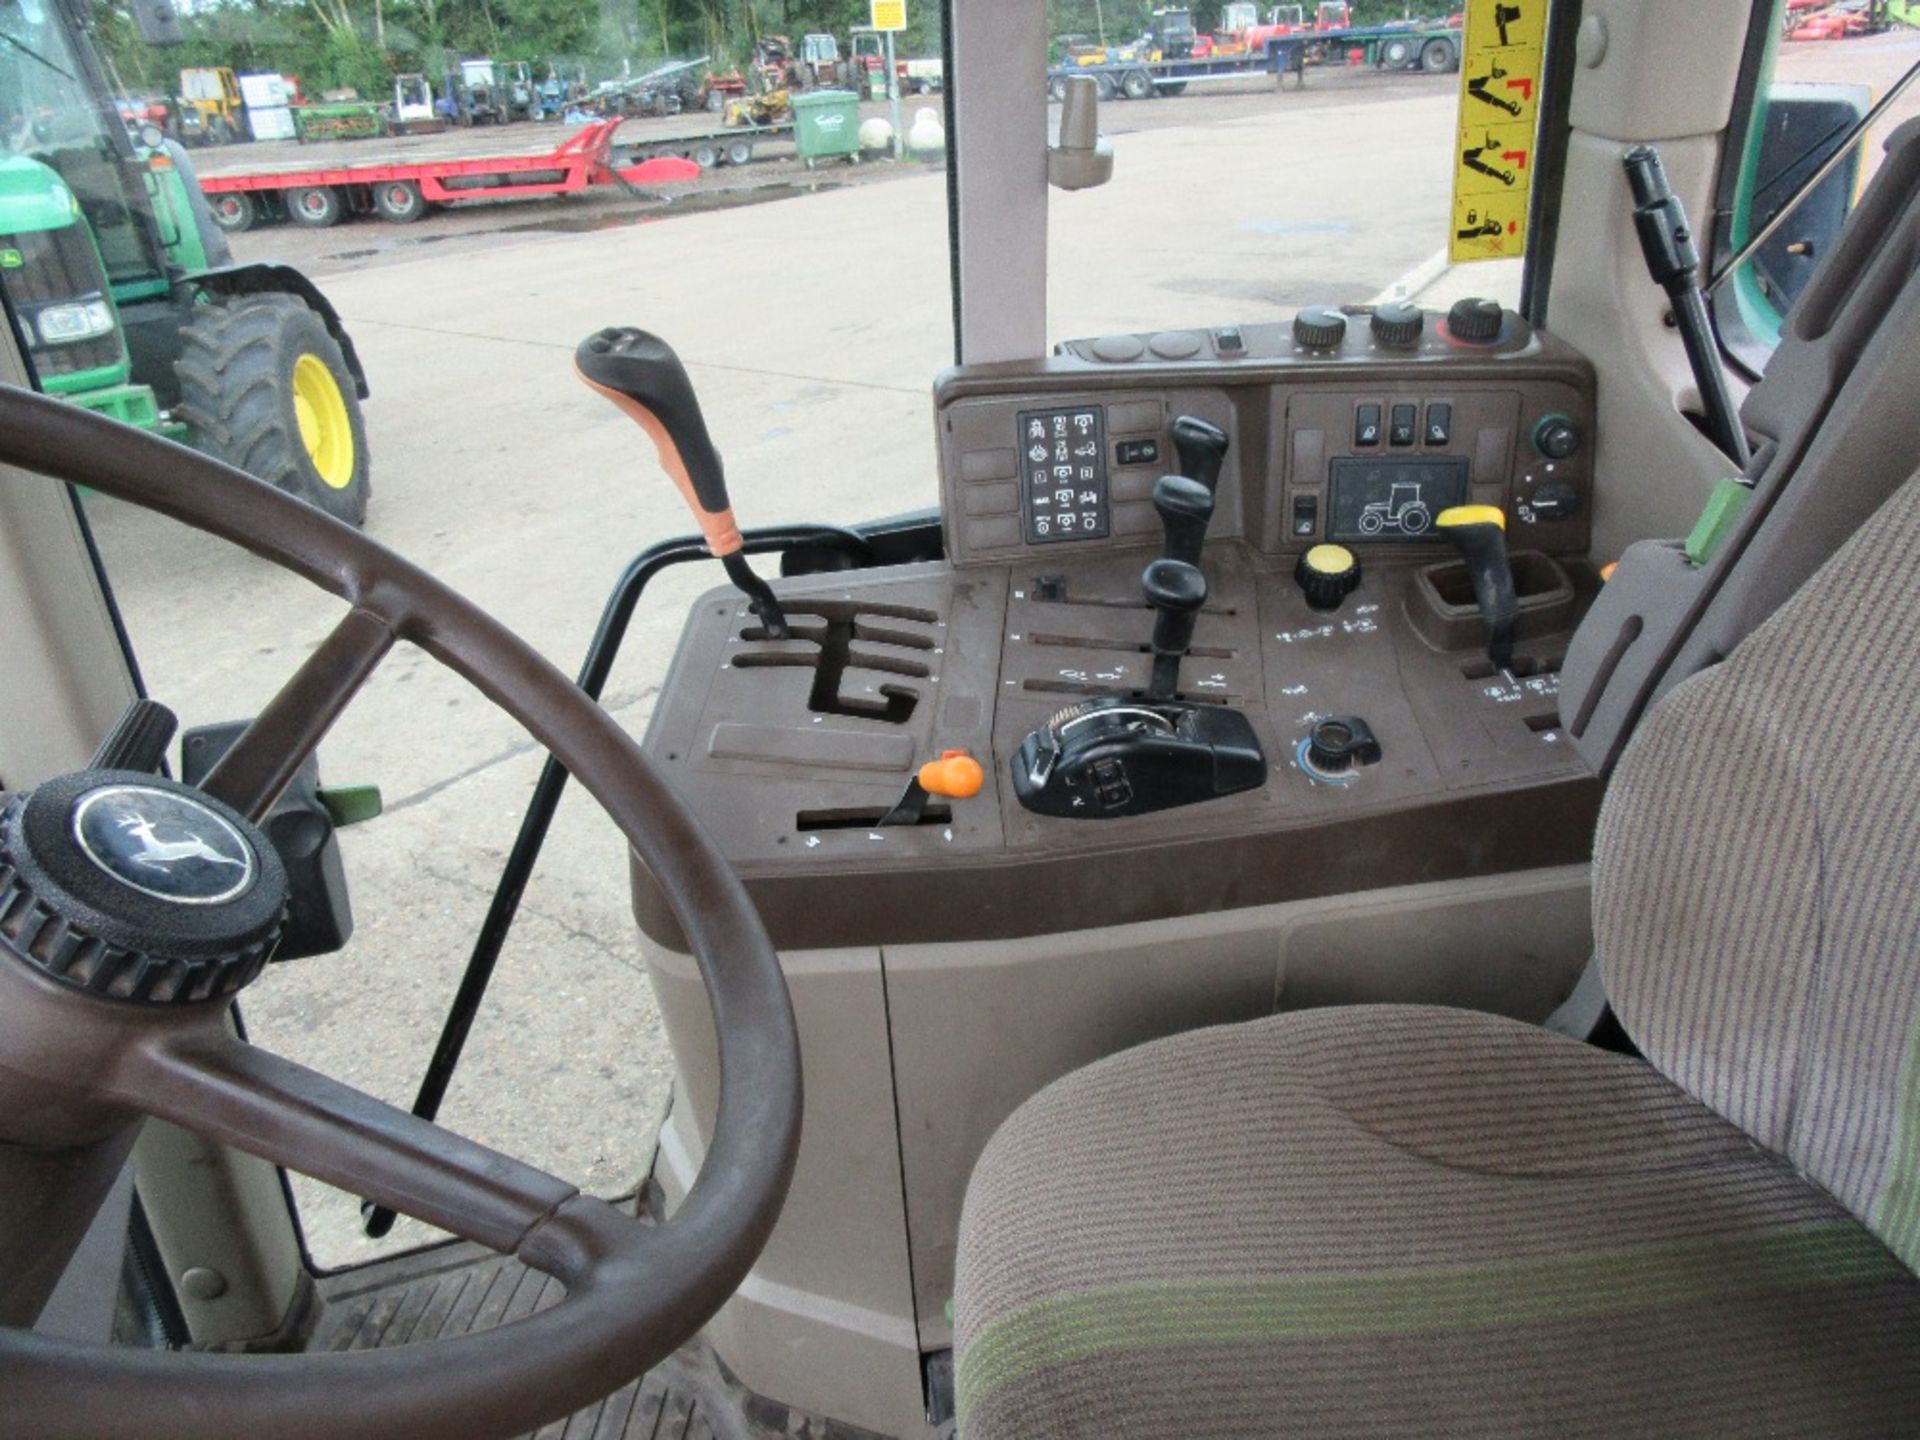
x,y
1366,427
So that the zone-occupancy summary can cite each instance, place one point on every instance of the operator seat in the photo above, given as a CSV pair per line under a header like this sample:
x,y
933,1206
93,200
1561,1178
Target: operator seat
x,y
1394,1220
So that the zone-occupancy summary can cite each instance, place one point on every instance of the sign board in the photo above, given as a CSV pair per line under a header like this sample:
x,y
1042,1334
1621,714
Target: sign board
x,y
1501,49
892,14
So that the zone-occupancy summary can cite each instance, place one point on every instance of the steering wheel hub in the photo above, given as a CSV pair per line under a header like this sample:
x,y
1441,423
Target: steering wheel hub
x,y
137,888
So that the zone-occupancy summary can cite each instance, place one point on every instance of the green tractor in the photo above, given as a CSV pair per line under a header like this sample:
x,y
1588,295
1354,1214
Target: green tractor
x,y
128,299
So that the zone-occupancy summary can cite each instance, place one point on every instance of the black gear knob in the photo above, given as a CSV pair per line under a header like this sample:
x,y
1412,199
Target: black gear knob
x,y
1202,447
1479,533
1176,590
1185,506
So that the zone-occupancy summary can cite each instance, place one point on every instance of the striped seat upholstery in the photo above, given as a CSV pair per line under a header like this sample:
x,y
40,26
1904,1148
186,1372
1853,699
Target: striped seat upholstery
x,y
1414,1221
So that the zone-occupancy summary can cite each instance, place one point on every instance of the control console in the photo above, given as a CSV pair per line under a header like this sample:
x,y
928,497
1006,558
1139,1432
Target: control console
x,y
1277,612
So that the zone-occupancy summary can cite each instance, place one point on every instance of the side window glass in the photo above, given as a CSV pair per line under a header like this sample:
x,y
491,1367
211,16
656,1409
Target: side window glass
x,y
1822,72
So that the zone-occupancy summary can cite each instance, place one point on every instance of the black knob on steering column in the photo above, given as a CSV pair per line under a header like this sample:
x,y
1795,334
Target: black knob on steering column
x,y
1176,590
1185,506
1202,447
641,374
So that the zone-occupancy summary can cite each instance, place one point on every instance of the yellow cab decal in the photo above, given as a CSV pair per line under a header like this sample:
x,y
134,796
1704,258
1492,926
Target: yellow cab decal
x,y
1499,104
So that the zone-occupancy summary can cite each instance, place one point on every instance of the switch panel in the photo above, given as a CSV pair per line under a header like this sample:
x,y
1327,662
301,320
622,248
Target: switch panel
x,y
1063,461
1513,423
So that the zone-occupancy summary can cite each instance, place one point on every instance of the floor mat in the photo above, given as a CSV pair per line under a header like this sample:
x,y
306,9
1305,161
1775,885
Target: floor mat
x,y
457,1289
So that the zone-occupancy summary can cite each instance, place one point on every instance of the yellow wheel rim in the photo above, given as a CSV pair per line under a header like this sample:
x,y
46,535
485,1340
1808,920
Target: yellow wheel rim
x,y
324,428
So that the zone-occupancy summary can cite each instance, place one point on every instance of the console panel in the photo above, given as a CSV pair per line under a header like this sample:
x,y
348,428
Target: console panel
x,y
793,750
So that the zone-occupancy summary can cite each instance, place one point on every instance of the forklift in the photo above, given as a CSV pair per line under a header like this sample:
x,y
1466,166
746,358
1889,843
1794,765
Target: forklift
x,y
1143,951
210,108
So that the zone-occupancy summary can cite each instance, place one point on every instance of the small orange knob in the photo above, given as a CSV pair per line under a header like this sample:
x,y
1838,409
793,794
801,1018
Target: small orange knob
x,y
956,775
1606,570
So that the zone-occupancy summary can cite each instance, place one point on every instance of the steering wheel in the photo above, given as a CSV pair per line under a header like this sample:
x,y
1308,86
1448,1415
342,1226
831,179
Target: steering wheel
x,y
117,976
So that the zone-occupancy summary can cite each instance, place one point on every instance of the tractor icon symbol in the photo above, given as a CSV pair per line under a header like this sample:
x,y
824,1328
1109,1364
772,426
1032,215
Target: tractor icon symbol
x,y
1403,510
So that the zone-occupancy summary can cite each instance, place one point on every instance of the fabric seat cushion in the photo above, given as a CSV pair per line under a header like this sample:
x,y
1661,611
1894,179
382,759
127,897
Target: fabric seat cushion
x,y
1400,1220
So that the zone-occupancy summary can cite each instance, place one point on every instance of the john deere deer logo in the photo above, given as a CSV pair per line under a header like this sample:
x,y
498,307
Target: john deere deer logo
x,y
165,843
158,854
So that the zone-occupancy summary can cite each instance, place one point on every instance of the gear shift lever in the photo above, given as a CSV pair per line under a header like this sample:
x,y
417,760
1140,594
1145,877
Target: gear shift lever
x,y
1185,507
641,374
1201,447
1479,533
1176,590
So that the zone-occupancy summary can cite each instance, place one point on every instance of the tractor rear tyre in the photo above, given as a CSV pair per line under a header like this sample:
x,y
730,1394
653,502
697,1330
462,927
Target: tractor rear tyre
x,y
317,206
263,386
234,211
399,201
1138,85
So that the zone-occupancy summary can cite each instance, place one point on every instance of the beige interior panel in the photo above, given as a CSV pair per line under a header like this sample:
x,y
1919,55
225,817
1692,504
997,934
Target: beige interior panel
x,y
66,680
1667,70
825,1320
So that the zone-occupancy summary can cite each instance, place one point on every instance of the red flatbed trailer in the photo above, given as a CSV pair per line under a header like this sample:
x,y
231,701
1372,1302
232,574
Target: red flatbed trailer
x,y
402,190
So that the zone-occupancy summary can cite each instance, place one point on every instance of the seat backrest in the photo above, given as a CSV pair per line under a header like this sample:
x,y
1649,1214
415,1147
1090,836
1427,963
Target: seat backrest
x,y
1757,879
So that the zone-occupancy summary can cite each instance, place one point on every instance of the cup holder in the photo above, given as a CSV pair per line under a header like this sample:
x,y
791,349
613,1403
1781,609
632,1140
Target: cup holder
x,y
1442,609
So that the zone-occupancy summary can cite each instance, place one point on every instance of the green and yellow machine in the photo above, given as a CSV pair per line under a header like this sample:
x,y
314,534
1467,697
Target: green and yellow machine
x,y
128,297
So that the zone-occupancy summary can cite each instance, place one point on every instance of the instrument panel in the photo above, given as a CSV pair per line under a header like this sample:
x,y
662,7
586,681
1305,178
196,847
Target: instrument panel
x,y
1356,442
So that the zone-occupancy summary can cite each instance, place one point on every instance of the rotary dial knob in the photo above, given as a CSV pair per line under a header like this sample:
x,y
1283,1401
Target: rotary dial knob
x,y
1319,327
1397,324
1475,320
1327,575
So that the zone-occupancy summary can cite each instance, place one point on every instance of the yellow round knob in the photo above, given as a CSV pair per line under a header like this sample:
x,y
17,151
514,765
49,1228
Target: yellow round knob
x,y
1329,559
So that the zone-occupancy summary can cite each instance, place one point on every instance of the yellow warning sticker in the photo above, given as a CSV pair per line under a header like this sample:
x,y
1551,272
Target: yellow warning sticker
x,y
1499,106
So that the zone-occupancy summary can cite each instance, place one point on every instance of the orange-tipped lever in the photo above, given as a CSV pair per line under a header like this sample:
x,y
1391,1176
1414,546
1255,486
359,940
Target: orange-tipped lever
x,y
956,775
641,374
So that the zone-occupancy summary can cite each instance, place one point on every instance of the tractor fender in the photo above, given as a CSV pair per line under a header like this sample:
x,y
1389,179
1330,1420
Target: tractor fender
x,y
267,278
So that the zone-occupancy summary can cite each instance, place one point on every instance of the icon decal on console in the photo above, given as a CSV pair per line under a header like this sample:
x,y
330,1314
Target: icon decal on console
x,y
1063,492
163,844
1391,500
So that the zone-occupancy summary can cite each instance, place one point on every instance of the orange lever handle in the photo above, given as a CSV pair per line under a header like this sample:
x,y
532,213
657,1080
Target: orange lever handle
x,y
955,775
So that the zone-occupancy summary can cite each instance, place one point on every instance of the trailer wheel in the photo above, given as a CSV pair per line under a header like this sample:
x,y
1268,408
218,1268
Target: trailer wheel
x,y
739,152
263,386
706,156
315,205
1057,89
1106,86
233,211
1397,55
399,201
1438,58
1138,85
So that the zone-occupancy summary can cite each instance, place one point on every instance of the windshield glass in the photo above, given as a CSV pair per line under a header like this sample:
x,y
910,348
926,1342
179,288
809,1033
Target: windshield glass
x,y
471,192
1273,157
